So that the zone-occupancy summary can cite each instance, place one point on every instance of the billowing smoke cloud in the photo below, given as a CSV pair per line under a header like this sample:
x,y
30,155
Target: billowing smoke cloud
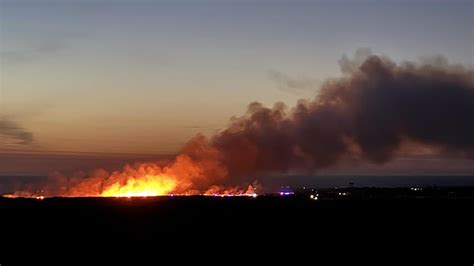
x,y
12,131
368,113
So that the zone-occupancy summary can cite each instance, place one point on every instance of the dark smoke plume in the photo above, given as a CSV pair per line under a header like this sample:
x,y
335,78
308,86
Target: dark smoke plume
x,y
368,113
371,113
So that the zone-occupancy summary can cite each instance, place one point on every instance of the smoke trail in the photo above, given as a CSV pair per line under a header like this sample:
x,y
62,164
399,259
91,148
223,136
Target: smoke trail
x,y
367,113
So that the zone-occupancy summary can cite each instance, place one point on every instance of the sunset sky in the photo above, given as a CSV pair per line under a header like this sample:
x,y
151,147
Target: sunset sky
x,y
142,77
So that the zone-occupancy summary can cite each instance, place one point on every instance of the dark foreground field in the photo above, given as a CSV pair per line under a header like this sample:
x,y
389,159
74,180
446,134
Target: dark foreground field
x,y
147,218
340,223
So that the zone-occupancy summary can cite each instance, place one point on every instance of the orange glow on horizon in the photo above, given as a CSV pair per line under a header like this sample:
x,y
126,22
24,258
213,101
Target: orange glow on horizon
x,y
198,170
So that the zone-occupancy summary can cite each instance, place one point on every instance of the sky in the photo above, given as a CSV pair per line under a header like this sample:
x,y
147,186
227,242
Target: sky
x,y
142,77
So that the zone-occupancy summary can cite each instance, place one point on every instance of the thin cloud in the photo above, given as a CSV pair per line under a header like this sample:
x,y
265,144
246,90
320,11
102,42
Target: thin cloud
x,y
294,85
39,51
12,133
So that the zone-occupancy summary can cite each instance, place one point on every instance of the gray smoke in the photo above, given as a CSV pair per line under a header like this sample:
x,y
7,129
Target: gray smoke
x,y
367,113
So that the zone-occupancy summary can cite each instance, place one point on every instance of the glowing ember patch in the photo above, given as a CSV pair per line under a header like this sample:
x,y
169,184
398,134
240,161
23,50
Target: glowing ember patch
x,y
147,186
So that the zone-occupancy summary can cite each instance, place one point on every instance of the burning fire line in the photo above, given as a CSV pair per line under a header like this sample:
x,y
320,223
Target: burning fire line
x,y
184,176
142,186
138,195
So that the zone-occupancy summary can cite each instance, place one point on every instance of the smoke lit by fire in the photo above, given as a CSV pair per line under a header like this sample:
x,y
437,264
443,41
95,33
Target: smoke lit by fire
x,y
184,175
368,114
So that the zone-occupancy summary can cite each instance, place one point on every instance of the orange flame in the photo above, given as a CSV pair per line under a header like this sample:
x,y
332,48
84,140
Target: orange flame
x,y
146,186
196,171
